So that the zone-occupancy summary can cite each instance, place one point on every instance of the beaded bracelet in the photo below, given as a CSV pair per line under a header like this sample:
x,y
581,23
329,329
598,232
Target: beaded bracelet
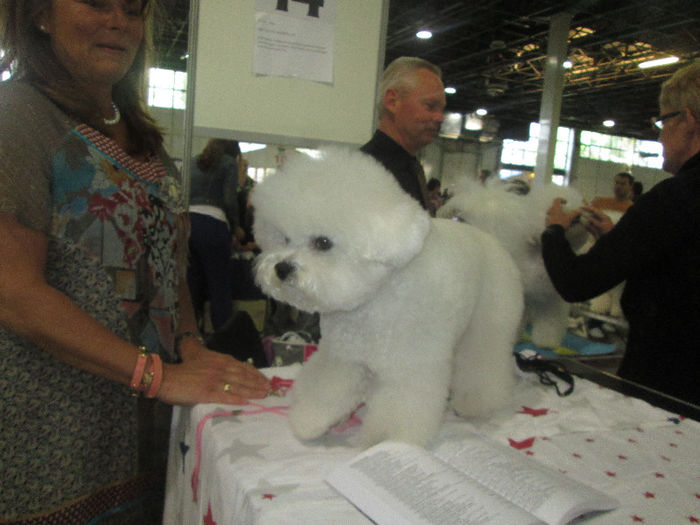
x,y
137,376
156,375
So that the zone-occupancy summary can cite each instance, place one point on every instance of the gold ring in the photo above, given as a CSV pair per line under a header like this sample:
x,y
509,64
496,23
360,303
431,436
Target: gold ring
x,y
227,387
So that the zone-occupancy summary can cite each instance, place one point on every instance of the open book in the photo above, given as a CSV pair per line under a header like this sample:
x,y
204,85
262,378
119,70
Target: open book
x,y
469,480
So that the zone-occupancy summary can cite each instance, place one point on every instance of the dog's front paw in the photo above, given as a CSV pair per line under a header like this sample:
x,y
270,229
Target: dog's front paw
x,y
479,403
308,423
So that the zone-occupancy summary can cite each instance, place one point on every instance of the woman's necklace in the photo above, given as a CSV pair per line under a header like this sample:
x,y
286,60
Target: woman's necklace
x,y
115,119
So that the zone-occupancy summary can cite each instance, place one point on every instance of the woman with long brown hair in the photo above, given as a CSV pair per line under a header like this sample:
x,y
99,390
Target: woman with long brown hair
x,y
94,306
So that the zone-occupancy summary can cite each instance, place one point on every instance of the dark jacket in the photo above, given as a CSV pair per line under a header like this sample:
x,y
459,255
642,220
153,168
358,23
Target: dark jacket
x,y
217,187
398,161
655,248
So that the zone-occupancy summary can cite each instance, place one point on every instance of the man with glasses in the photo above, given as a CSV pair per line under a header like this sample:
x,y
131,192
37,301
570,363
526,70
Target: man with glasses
x,y
655,248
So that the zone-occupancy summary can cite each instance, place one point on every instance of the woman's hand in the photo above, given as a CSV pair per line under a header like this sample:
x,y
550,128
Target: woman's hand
x,y
205,376
597,223
557,215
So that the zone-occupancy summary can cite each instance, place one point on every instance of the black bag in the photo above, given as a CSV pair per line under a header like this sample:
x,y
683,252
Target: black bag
x,y
239,338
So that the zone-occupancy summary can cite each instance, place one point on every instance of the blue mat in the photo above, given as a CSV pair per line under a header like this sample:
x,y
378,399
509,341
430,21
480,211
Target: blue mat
x,y
571,346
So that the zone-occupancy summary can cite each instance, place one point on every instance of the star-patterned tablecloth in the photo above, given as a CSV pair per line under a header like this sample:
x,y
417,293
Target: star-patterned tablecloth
x,y
242,465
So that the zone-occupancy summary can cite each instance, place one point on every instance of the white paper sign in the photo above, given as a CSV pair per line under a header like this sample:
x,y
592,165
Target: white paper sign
x,y
294,38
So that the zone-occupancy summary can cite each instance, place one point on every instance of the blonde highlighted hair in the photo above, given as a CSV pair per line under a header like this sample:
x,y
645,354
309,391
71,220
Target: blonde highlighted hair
x,y
682,90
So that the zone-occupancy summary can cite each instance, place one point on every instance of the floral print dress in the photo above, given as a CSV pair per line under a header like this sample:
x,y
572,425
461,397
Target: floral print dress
x,y
69,438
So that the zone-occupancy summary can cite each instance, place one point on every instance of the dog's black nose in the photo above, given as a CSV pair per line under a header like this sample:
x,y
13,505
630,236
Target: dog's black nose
x,y
283,269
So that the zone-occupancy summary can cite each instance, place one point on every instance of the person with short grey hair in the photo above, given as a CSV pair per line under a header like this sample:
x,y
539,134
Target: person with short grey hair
x,y
410,105
655,248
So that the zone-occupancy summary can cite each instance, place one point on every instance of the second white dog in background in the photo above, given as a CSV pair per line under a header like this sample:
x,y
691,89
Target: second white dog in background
x,y
413,310
517,221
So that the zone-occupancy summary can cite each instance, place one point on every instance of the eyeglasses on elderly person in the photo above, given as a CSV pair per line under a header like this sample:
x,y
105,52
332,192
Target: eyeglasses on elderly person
x,y
658,122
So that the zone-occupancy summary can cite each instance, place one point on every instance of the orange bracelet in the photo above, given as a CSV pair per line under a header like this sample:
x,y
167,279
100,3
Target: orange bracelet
x,y
139,368
156,374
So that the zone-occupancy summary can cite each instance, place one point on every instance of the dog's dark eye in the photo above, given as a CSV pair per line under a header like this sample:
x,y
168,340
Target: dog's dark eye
x,y
322,244
286,241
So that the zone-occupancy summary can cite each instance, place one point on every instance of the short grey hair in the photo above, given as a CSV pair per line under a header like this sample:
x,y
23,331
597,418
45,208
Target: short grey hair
x,y
682,90
401,75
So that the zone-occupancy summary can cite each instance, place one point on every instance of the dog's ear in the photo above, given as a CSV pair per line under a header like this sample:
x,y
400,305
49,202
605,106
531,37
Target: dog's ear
x,y
397,234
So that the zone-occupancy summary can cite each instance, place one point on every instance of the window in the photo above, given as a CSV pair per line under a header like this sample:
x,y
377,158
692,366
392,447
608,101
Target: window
x,y
167,88
519,153
622,150
5,74
648,153
524,153
258,174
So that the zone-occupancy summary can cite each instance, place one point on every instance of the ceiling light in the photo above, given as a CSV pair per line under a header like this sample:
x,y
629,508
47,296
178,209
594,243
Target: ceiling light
x,y
568,64
658,62
424,34
481,112
608,123
250,146
313,153
450,90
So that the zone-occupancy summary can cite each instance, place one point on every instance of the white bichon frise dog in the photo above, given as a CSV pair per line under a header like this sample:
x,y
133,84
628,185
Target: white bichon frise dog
x,y
412,309
607,303
517,221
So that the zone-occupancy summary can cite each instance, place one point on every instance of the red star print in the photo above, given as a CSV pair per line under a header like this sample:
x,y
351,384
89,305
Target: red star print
x,y
678,432
693,519
659,475
534,412
637,518
352,421
279,386
611,474
622,457
268,496
520,445
665,458
209,518
697,496
649,495
576,455
590,440
674,445
632,440
529,453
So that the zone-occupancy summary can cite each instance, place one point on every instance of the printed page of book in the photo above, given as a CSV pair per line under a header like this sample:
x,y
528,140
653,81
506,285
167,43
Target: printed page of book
x,y
553,497
396,483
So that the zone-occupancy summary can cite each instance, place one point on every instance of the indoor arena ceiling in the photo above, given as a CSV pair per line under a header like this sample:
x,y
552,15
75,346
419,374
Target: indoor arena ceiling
x,y
493,53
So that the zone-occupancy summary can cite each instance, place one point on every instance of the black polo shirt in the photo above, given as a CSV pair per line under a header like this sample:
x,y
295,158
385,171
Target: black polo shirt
x,y
399,162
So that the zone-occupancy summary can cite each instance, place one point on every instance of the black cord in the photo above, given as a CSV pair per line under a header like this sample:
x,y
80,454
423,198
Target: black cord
x,y
543,368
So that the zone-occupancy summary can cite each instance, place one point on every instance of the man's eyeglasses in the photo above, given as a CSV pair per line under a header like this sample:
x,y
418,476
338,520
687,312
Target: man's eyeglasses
x,y
658,122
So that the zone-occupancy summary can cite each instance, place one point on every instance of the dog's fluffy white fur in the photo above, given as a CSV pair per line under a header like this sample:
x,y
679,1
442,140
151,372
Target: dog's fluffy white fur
x,y
412,309
517,221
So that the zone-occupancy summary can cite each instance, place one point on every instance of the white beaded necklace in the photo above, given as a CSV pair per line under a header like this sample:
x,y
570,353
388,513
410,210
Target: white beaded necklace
x,y
115,119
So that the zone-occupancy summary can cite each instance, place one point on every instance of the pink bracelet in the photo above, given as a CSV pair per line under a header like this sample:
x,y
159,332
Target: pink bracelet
x,y
137,376
156,376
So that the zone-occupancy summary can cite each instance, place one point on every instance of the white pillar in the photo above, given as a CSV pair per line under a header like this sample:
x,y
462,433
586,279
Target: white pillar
x,y
550,106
